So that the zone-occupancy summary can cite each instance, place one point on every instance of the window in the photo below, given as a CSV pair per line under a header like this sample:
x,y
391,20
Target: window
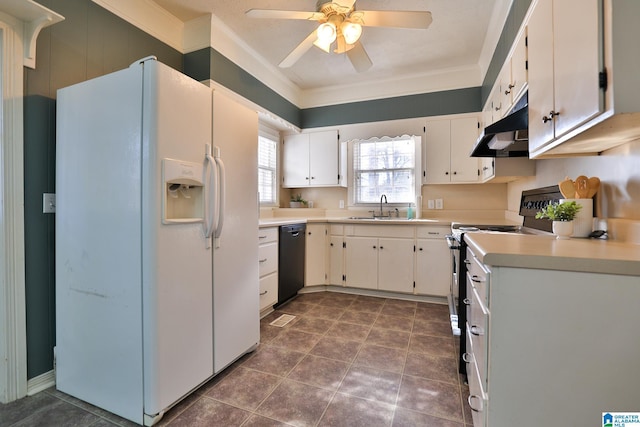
x,y
268,165
385,166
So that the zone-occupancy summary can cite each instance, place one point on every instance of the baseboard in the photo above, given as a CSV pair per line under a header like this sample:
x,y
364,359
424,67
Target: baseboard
x,y
41,382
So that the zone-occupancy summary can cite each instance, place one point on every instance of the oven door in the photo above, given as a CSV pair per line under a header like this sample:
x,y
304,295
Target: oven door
x,y
454,248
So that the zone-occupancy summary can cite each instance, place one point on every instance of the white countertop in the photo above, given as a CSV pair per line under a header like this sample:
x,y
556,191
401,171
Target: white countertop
x,y
548,253
277,221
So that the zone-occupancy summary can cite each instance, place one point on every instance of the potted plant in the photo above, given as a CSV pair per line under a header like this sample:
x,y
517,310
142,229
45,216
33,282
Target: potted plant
x,y
297,201
562,214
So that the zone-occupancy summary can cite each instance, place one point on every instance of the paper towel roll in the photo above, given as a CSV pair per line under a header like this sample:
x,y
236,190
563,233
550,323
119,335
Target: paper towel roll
x,y
583,223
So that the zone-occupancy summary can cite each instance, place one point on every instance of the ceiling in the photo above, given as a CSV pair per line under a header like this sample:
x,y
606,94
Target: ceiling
x,y
462,36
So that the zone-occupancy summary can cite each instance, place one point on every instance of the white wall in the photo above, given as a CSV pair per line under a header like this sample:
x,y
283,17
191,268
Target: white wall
x,y
618,170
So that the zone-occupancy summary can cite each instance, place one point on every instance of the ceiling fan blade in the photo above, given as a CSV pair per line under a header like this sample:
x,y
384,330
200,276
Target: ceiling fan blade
x,y
300,50
359,58
345,3
284,14
394,18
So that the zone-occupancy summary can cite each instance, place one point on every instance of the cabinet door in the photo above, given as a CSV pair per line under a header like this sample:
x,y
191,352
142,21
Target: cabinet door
x,y
315,254
437,152
395,265
487,167
295,161
361,262
324,158
577,60
336,260
519,65
540,74
464,134
504,88
433,267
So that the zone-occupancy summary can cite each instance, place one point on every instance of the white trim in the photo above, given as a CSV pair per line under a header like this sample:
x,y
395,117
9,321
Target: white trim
x,y
211,31
41,382
13,335
32,17
150,18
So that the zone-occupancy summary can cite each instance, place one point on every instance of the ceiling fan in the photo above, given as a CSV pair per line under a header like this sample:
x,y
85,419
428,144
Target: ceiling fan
x,y
341,23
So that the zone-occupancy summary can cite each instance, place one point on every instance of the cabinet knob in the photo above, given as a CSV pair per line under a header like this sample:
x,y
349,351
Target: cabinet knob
x,y
263,293
455,173
381,247
374,246
419,249
330,244
466,357
470,399
485,168
313,177
306,177
550,117
466,301
476,330
476,279
263,260
446,173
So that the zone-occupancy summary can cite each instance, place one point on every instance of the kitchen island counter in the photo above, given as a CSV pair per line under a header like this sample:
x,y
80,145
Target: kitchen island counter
x,y
548,253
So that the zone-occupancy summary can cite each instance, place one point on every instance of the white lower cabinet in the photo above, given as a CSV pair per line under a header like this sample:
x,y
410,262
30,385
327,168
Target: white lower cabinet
x,y
549,347
336,254
315,272
361,262
380,257
268,266
395,265
433,261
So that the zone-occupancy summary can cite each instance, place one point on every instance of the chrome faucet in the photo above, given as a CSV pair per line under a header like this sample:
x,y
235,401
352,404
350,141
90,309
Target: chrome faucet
x,y
383,197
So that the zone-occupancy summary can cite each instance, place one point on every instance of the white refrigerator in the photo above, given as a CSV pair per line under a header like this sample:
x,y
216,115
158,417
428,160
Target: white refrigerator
x,y
139,201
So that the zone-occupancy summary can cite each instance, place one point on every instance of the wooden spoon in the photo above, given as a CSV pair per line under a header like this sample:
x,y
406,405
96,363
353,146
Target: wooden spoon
x,y
582,189
593,185
567,188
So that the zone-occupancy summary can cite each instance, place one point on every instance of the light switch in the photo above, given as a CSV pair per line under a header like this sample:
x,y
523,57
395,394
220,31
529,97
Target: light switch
x,y
431,204
48,202
439,204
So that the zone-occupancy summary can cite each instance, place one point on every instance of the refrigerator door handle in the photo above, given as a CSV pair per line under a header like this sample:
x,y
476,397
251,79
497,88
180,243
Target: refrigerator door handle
x,y
210,193
221,195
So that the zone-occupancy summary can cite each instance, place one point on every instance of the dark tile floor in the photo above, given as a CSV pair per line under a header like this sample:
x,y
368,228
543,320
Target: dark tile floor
x,y
345,360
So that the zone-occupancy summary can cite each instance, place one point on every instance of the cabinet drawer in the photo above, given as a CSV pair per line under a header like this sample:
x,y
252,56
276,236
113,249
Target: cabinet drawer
x,y
427,232
266,235
478,276
382,231
268,290
268,258
336,229
477,328
477,400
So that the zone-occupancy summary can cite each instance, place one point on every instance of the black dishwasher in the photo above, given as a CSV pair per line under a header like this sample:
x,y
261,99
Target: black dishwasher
x,y
290,261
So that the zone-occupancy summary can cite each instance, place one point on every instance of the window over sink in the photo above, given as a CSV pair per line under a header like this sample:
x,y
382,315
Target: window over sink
x,y
385,166
268,165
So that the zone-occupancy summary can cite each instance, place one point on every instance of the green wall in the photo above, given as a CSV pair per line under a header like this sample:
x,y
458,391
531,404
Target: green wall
x,y
91,42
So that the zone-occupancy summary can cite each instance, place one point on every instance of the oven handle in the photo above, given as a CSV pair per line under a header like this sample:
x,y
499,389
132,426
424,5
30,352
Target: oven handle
x,y
452,242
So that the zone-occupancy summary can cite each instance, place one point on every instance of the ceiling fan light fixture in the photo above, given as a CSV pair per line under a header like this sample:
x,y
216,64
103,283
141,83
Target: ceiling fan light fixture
x,y
351,32
327,33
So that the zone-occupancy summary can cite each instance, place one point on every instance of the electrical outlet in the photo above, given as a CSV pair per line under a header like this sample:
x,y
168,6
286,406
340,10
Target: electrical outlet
x,y
431,204
341,204
48,202
439,204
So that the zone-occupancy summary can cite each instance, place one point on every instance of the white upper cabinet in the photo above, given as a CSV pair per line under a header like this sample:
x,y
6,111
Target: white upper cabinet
x,y
448,145
311,160
583,78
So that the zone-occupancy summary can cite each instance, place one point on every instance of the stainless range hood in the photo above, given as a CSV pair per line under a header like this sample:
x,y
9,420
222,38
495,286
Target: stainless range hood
x,y
508,137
